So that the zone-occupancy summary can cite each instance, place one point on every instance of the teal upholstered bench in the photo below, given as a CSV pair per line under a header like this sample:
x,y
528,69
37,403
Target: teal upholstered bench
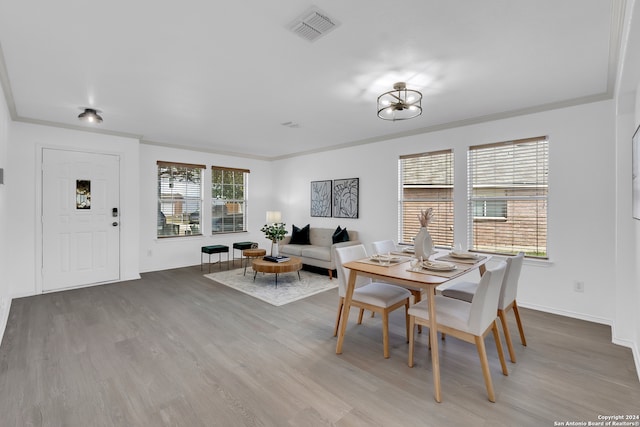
x,y
214,249
241,246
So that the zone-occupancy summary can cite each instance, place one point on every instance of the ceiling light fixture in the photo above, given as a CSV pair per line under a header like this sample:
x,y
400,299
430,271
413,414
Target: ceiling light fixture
x,y
90,115
400,103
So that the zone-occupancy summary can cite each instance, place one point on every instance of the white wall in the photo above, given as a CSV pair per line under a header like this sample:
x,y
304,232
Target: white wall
x,y
159,254
627,301
581,202
4,211
22,175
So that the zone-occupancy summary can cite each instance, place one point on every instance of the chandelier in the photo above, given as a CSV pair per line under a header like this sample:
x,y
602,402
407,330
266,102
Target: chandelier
x,y
400,103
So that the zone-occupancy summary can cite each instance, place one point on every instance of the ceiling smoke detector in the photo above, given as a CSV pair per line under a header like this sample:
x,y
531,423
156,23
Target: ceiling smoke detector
x,y
313,24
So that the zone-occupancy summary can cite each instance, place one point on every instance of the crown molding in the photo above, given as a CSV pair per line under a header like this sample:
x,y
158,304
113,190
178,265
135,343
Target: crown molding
x,y
458,123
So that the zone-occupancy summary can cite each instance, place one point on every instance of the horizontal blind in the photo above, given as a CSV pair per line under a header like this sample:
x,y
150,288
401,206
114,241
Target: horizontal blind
x,y
175,164
179,199
228,199
426,181
507,197
224,168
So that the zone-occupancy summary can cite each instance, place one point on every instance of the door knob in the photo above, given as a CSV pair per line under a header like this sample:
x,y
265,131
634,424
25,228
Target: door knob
x,y
115,224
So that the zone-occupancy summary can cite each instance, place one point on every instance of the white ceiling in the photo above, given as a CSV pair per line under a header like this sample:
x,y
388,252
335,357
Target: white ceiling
x,y
224,76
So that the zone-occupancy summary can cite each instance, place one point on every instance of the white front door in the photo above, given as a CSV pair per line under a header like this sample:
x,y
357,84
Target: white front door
x,y
80,219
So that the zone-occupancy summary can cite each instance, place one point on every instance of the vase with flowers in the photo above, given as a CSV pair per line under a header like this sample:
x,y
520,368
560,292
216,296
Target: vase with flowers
x,y
274,232
423,243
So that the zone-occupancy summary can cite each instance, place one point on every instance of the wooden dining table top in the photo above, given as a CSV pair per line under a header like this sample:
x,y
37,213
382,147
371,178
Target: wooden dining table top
x,y
400,272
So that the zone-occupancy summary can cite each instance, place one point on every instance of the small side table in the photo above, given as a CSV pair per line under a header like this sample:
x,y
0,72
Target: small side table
x,y
214,249
240,246
248,254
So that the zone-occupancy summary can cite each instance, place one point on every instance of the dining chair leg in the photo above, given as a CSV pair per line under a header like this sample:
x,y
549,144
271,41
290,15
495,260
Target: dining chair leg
x,y
412,323
385,333
517,313
340,304
406,318
484,362
507,335
360,316
496,337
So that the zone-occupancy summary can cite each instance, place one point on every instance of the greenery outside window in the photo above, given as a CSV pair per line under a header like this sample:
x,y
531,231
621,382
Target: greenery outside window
x,y
228,199
426,181
507,197
179,199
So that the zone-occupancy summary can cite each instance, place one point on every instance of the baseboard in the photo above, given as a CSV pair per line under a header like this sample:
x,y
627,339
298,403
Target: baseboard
x,y
636,358
624,343
566,313
630,344
5,305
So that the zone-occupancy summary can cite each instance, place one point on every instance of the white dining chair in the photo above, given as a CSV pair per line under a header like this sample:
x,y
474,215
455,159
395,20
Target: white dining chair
x,y
384,246
465,291
377,297
468,322
389,246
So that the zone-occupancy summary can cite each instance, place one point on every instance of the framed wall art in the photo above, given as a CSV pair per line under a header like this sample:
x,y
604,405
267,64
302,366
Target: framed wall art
x,y
321,198
345,197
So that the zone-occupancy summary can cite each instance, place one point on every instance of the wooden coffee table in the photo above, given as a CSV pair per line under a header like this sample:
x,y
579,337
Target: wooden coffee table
x,y
262,266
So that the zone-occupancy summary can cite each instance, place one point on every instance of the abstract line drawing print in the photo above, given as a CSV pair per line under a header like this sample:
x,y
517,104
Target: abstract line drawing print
x,y
345,198
321,198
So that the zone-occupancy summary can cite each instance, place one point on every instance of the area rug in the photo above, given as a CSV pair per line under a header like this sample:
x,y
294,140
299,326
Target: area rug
x,y
289,288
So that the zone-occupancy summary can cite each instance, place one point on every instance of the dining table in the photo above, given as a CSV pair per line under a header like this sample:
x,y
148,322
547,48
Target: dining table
x,y
402,274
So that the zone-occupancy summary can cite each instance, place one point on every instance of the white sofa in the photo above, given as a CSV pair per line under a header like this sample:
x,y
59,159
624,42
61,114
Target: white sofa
x,y
320,252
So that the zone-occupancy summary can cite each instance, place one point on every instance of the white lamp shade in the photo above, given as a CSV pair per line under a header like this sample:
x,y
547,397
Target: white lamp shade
x,y
273,217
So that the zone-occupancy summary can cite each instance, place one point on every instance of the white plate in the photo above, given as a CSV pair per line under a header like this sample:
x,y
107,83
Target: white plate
x,y
438,265
463,255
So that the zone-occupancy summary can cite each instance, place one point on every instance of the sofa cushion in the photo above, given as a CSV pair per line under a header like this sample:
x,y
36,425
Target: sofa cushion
x,y
300,236
322,253
340,235
295,250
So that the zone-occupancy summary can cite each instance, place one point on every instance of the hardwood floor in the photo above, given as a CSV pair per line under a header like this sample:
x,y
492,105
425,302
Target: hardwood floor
x,y
177,349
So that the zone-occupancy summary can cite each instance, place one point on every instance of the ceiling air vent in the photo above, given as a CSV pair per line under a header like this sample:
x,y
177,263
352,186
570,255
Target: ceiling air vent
x,y
312,25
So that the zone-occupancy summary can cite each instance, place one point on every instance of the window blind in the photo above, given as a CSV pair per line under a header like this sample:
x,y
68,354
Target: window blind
x,y
179,199
228,199
426,181
507,197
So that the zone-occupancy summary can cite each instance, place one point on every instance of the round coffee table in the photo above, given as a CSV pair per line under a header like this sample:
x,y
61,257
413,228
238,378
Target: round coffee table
x,y
262,266
251,253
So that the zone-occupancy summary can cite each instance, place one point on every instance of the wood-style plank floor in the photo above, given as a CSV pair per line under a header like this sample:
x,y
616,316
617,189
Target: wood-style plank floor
x,y
177,349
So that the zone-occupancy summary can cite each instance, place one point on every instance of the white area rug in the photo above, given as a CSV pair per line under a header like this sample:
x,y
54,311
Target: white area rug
x,y
264,288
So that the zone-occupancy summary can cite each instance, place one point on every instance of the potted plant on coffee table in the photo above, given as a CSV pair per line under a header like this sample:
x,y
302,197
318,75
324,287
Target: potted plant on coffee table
x,y
274,232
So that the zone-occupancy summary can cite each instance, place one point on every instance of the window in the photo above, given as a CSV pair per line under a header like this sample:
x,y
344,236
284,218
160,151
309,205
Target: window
x,y
507,197
228,199
179,199
426,181
489,209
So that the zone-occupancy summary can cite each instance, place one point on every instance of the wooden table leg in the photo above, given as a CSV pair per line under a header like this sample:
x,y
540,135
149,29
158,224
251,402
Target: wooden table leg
x,y
433,335
346,308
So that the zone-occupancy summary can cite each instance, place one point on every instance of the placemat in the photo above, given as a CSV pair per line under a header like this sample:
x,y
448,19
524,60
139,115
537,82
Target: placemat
x,y
369,261
455,260
459,270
